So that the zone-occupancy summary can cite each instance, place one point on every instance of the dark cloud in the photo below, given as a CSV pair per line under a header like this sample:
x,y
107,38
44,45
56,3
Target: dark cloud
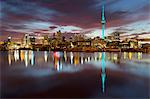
x,y
53,27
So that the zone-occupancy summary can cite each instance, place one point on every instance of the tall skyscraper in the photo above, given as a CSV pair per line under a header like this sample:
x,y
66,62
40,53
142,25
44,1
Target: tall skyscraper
x,y
26,41
103,19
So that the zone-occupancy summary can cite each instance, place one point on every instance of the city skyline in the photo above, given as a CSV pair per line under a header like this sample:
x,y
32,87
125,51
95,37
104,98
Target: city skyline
x,y
76,16
75,48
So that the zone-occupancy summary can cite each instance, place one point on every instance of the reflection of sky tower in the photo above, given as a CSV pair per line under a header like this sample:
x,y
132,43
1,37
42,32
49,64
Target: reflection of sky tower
x,y
103,20
103,74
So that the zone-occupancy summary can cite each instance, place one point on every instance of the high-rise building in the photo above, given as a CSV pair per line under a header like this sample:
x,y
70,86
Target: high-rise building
x,y
26,41
9,39
59,35
116,36
45,40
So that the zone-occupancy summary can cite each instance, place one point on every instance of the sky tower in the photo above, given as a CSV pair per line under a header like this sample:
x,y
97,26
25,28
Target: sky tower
x,y
103,19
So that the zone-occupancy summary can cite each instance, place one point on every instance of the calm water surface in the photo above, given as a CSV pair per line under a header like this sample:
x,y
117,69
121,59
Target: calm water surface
x,y
74,74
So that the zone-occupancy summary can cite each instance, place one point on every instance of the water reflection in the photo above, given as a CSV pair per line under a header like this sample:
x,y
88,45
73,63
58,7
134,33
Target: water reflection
x,y
71,57
59,59
9,58
47,64
65,56
26,58
139,55
103,75
87,66
45,56
16,55
124,55
29,57
32,58
130,55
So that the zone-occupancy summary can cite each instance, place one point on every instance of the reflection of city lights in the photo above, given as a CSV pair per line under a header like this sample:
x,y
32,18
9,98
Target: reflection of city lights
x,y
115,57
26,58
100,55
16,55
81,60
55,62
45,56
139,55
95,58
108,56
59,65
30,55
130,55
65,56
76,60
88,59
85,59
22,55
32,58
71,57
9,58
92,59
57,54
125,55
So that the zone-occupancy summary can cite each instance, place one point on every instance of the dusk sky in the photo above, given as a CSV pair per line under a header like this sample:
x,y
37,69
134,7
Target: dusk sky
x,y
73,16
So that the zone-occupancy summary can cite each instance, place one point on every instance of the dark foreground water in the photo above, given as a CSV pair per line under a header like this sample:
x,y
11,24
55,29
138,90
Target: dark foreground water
x,y
74,74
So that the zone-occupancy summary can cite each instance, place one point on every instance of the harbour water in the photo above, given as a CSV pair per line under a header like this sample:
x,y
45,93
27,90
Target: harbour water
x,y
37,74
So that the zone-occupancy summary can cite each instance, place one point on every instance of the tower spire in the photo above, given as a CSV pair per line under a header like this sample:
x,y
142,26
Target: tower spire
x,y
103,19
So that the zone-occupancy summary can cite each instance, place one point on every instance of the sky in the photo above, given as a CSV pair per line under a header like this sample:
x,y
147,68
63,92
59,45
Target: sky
x,y
41,17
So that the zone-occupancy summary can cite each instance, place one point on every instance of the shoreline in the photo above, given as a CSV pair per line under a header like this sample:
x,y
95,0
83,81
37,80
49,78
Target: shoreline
x,y
95,50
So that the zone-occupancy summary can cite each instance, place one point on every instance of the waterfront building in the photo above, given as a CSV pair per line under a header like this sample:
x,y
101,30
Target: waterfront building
x,y
32,40
26,41
58,35
9,43
98,43
46,40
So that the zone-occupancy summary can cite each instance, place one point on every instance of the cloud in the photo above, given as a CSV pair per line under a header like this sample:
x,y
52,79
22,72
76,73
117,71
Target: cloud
x,y
30,16
53,27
